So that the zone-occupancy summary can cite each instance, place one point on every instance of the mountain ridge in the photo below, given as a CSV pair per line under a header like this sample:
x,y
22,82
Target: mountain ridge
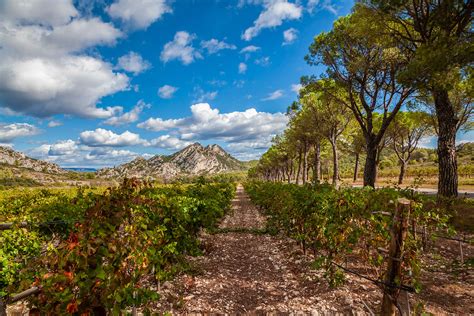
x,y
192,160
18,159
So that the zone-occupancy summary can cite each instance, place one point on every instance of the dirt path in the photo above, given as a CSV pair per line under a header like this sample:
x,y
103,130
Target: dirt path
x,y
247,272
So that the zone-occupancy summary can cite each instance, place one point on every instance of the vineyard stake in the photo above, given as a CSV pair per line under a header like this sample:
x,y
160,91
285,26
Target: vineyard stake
x,y
394,266
3,308
408,303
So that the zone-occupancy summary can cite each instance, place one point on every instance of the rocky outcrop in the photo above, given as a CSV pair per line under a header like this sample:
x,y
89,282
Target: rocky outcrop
x,y
192,160
10,157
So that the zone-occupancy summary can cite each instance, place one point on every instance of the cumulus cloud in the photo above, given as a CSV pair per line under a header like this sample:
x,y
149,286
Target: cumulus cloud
x,y
296,87
32,40
128,117
44,70
249,49
289,36
274,13
274,95
138,14
166,91
180,48
213,46
251,149
242,68
102,137
133,62
48,12
200,95
9,132
314,5
169,142
69,85
54,123
207,123
69,153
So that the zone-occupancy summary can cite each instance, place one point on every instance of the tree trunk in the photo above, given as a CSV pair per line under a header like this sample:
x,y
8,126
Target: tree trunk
x,y
317,163
447,163
299,168
403,166
320,171
305,162
335,162
356,167
290,169
370,169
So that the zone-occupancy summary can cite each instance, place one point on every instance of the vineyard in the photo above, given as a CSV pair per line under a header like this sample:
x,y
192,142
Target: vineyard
x,y
155,161
140,247
93,252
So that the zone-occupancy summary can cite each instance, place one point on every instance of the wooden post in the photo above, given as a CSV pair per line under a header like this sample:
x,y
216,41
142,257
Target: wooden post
x,y
3,307
395,259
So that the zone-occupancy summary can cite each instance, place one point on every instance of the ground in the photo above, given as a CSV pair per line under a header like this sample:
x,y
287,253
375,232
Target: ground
x,y
245,271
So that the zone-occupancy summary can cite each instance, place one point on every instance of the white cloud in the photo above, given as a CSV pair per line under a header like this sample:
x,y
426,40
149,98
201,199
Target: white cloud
x,y
9,132
44,70
242,68
200,95
61,148
274,95
274,13
169,142
249,49
54,123
289,36
69,85
128,117
166,91
213,46
102,137
251,149
180,48
69,153
321,5
207,123
138,14
133,62
38,41
48,12
296,87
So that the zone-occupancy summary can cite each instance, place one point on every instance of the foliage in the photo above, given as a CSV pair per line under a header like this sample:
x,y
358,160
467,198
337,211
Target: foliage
x,y
108,245
335,223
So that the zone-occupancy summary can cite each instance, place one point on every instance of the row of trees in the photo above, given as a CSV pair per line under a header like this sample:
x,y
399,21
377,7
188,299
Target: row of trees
x,y
386,64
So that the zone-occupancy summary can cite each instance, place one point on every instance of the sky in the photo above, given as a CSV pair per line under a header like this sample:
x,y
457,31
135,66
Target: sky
x,y
97,83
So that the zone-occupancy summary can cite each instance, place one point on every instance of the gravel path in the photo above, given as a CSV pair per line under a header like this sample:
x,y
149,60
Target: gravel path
x,y
244,272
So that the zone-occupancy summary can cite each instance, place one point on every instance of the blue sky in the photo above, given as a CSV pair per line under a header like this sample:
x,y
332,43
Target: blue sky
x,y
97,83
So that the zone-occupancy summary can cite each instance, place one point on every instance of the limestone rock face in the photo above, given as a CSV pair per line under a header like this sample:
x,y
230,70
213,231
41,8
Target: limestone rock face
x,y
192,160
17,159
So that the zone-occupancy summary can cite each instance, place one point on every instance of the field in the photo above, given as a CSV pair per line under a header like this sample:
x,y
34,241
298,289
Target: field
x,y
197,247
84,248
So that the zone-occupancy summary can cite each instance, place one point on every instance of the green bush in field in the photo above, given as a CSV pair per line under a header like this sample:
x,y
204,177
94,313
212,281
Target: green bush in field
x,y
104,247
335,223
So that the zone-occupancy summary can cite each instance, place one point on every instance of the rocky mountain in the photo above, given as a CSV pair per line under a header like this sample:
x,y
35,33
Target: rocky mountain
x,y
192,160
15,159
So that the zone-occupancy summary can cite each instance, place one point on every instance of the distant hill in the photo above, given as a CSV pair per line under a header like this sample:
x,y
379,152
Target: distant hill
x,y
192,160
15,159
